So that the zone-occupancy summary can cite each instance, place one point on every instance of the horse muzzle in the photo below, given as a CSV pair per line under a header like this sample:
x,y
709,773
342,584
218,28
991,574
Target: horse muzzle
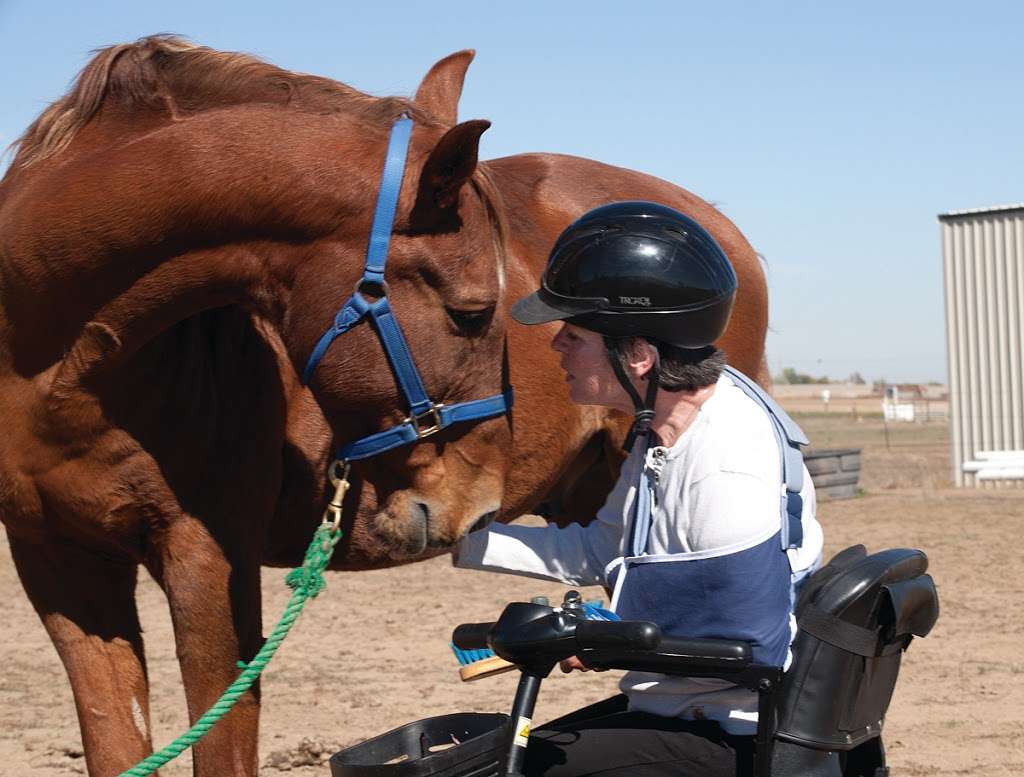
x,y
414,527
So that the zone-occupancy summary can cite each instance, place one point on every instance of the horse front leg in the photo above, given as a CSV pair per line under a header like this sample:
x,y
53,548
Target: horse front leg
x,y
213,588
87,604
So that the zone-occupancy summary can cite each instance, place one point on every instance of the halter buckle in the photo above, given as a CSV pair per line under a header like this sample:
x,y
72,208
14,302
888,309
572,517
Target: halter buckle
x,y
338,474
426,423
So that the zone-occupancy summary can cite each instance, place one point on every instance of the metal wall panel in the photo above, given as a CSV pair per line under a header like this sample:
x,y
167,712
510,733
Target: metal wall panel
x,y
983,267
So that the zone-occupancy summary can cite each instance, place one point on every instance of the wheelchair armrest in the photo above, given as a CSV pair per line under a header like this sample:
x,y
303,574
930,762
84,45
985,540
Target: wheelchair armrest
x,y
677,656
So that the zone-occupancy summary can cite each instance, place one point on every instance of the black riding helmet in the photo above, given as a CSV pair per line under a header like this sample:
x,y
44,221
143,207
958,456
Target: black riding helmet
x,y
636,269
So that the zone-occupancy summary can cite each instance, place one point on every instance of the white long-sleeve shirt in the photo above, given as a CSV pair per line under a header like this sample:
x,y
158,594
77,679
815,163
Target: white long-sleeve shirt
x,y
716,490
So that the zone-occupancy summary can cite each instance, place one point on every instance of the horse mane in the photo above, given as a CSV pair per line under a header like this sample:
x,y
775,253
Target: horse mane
x,y
171,72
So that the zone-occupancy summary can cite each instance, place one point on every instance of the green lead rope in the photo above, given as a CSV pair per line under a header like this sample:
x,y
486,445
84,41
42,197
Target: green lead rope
x,y
307,581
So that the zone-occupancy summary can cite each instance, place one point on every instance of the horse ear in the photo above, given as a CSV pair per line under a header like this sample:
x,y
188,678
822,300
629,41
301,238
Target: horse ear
x,y
446,170
441,88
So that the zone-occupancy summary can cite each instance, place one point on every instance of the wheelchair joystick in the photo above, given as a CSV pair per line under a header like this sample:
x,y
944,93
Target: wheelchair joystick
x,y
572,601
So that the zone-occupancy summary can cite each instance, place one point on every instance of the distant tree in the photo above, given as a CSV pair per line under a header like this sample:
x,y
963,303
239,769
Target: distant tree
x,y
856,378
793,378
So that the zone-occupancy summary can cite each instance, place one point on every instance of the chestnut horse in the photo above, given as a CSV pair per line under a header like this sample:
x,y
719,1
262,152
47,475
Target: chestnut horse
x,y
175,235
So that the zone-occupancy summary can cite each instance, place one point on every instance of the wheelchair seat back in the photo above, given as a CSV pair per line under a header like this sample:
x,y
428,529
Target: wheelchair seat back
x,y
855,618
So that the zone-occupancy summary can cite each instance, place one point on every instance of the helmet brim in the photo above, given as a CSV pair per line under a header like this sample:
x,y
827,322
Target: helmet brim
x,y
542,308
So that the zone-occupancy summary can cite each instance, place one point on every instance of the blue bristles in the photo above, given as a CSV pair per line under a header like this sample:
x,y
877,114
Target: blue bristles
x,y
467,657
595,612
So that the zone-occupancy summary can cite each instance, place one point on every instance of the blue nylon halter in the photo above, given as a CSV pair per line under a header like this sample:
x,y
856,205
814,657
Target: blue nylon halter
x,y
425,417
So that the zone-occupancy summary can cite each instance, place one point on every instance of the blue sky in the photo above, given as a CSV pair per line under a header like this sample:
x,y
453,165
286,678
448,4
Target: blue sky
x,y
831,133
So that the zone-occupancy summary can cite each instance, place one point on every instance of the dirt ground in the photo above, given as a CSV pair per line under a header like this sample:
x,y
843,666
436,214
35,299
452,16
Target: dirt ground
x,y
371,653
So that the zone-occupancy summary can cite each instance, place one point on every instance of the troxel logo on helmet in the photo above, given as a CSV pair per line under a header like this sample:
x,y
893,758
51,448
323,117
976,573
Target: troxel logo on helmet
x,y
644,301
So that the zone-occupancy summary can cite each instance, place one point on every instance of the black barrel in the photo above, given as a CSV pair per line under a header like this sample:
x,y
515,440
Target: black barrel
x,y
835,471
466,744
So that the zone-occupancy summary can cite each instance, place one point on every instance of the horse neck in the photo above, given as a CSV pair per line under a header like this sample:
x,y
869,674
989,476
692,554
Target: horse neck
x,y
530,223
173,223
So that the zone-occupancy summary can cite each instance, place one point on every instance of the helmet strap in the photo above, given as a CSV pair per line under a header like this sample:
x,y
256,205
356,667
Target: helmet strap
x,y
643,408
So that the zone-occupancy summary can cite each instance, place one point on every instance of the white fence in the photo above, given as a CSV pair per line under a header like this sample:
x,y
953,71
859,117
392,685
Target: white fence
x,y
997,465
917,411
897,411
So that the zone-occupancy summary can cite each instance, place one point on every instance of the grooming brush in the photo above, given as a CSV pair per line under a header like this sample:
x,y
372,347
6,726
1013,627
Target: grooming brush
x,y
478,664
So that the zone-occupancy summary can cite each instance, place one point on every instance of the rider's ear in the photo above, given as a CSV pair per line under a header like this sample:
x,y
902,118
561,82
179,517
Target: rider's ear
x,y
642,357
446,170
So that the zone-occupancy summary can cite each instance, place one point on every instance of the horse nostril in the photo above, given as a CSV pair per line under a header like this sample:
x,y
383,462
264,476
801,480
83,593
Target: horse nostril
x,y
419,519
484,521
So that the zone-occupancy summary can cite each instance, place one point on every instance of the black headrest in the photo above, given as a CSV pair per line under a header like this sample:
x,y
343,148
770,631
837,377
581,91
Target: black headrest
x,y
888,589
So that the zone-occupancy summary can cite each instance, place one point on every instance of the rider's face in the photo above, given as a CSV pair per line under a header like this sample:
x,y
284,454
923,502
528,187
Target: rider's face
x,y
588,372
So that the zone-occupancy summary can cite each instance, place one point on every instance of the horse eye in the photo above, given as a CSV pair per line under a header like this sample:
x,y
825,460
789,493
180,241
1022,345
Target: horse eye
x,y
471,323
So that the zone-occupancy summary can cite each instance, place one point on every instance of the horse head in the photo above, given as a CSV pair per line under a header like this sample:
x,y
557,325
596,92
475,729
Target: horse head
x,y
444,283
174,179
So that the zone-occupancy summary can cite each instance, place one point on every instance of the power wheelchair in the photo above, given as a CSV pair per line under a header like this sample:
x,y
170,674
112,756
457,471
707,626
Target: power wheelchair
x,y
822,717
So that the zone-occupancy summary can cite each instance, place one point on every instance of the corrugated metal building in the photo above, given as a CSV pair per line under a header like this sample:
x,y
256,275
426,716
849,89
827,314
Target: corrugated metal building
x,y
983,253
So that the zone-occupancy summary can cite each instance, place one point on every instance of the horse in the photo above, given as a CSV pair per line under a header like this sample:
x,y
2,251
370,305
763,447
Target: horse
x,y
176,233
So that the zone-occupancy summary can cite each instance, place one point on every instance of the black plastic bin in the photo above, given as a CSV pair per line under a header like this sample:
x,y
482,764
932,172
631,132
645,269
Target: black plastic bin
x,y
466,744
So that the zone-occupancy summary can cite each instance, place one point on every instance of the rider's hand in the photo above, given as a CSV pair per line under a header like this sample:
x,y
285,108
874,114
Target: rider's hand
x,y
568,664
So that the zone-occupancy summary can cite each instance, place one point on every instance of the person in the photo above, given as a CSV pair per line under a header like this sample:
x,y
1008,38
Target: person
x,y
694,535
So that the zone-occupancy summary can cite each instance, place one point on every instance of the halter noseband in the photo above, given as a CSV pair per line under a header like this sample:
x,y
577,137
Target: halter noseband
x,y
425,417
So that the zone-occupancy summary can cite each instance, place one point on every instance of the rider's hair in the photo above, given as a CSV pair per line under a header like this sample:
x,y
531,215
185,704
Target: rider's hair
x,y
680,369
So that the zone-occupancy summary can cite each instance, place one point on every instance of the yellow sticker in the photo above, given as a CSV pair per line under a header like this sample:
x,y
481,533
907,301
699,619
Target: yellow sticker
x,y
522,732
